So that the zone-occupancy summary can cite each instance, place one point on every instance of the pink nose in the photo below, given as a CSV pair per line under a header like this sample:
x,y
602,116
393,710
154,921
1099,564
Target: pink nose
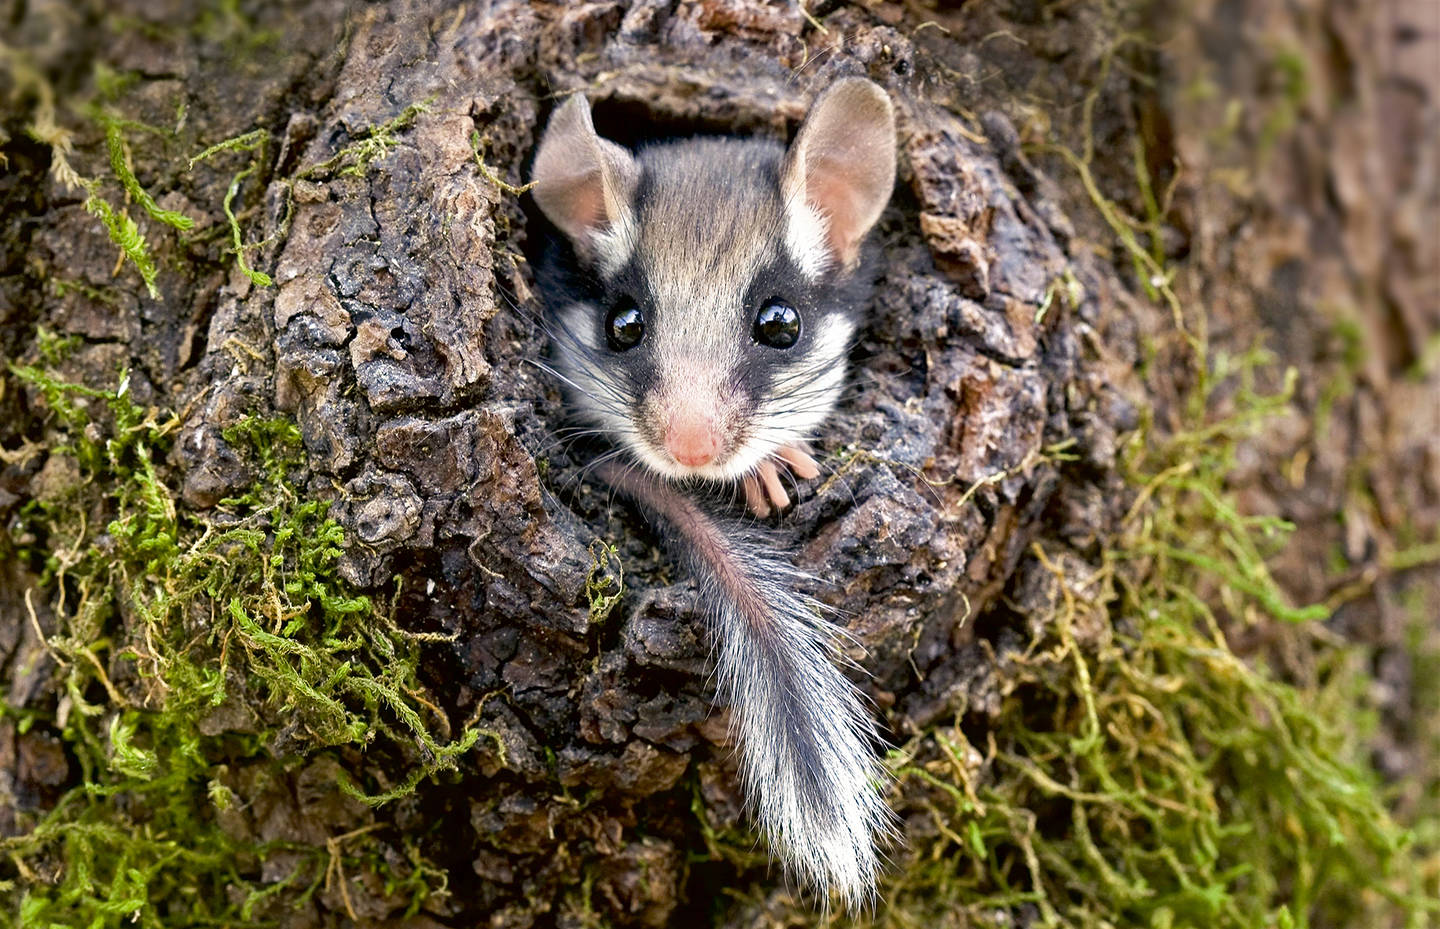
x,y
693,442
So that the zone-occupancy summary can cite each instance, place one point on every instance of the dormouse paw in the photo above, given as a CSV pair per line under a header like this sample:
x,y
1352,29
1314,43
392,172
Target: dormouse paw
x,y
763,489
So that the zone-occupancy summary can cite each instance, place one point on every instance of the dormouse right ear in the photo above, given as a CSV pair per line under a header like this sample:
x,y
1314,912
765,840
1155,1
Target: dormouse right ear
x,y
837,174
583,183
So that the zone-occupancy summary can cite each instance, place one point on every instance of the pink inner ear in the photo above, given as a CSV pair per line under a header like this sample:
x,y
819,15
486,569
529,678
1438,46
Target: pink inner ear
x,y
590,205
832,193
580,205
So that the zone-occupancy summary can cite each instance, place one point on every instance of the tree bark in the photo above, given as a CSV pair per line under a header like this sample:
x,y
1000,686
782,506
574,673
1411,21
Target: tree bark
x,y
1004,363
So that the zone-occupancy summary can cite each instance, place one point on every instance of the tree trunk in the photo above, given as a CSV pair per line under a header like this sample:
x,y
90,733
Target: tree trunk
x,y
374,287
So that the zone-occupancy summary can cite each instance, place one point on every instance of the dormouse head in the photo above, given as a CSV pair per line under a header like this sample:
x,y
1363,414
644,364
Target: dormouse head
x,y
716,283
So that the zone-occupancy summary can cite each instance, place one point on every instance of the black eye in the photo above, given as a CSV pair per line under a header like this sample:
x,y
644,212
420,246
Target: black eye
x,y
624,325
777,324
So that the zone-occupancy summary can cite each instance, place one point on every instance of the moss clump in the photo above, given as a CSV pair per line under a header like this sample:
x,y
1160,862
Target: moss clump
x,y
118,225
371,145
1140,773
161,619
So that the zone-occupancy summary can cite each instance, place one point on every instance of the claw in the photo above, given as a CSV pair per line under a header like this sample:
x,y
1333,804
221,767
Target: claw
x,y
773,488
799,461
764,492
753,497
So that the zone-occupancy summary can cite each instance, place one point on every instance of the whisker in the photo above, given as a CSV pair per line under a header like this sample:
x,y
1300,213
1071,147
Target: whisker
x,y
612,403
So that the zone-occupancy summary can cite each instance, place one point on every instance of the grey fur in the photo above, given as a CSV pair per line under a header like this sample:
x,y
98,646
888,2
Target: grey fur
x,y
698,264
806,741
698,232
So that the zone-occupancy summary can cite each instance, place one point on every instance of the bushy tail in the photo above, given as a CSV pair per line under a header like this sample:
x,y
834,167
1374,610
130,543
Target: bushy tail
x,y
807,744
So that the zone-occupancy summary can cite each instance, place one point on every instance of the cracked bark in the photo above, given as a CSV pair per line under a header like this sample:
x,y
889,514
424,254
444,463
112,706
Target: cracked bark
x,y
398,335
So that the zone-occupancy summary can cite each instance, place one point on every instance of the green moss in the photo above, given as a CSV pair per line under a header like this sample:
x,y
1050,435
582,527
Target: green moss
x,y
476,144
1348,343
247,142
103,295
226,22
1289,74
120,164
163,617
118,225
125,234
110,84
1066,287
373,144
54,348
1420,799
1428,359
254,142
353,160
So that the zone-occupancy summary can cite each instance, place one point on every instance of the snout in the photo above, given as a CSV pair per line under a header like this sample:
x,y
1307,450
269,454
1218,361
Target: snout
x,y
693,439
694,426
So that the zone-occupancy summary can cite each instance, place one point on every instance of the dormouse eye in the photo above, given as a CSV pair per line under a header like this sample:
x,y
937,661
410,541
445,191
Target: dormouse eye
x,y
777,324
624,325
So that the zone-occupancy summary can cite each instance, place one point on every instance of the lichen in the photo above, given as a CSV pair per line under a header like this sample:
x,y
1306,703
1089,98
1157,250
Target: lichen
x,y
605,581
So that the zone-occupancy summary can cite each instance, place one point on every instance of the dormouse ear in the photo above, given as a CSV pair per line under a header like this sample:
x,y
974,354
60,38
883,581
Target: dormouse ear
x,y
841,166
583,183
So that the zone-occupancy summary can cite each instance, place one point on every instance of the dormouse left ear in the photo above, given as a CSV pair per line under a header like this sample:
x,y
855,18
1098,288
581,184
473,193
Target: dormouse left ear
x,y
583,183
842,167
